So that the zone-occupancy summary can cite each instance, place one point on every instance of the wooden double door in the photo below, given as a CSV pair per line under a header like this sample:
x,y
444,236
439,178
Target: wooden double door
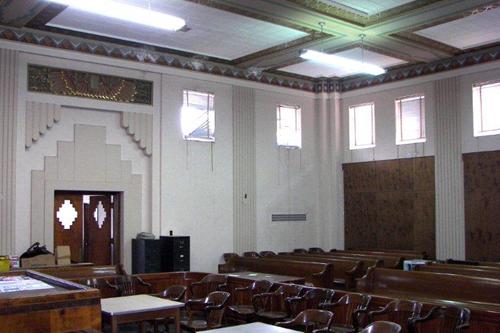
x,y
89,223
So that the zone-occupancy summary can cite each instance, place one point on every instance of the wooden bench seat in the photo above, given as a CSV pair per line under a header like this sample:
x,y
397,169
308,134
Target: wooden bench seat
x,y
346,271
416,285
317,273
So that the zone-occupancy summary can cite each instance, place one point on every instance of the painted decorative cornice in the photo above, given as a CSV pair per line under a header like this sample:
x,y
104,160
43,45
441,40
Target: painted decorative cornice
x,y
460,61
151,57
40,117
140,127
163,59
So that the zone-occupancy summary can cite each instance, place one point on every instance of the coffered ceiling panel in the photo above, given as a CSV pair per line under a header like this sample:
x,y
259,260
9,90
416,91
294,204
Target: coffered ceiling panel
x,y
212,32
367,7
471,31
314,69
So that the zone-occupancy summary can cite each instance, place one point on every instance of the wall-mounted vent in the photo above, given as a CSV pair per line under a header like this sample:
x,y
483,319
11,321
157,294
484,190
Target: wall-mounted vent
x,y
288,217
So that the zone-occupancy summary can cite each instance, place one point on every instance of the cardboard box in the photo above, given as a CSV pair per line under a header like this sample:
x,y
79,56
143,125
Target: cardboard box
x,y
39,261
63,255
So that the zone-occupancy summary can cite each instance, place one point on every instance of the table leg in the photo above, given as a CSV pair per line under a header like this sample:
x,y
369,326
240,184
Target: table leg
x,y
177,320
114,325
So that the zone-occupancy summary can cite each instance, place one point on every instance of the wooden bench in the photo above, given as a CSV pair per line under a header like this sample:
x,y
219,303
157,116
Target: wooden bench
x,y
400,253
428,285
389,261
346,271
317,273
480,271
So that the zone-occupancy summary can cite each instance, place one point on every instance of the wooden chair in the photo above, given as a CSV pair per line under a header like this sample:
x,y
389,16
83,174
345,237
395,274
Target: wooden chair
x,y
267,253
302,251
228,255
242,311
347,311
382,327
213,311
309,320
174,293
397,311
309,299
271,307
126,285
443,320
316,250
209,283
251,254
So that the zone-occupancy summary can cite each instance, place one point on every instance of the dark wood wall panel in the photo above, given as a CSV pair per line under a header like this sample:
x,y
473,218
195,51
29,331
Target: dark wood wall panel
x,y
390,204
482,205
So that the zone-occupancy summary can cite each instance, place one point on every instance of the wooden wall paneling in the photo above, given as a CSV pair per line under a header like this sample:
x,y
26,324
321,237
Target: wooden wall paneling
x,y
396,211
482,198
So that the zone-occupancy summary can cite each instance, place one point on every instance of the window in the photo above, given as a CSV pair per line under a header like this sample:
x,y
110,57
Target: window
x,y
288,132
198,116
410,120
486,108
362,126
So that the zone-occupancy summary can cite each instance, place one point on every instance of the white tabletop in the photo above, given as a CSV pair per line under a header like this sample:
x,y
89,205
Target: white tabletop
x,y
136,303
253,328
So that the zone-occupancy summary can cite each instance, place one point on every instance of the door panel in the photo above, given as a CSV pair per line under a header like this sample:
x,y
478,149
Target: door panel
x,y
98,230
68,223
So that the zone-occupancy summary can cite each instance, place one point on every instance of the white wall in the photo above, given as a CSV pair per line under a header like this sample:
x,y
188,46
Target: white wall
x,y
287,179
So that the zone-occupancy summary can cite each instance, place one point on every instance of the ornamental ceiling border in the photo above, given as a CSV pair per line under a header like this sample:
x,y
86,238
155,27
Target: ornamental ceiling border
x,y
197,65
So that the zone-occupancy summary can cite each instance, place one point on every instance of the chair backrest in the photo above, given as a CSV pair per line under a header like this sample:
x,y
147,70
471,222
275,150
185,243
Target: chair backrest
x,y
228,255
174,293
382,327
316,250
209,283
252,254
311,319
267,253
397,311
299,251
216,304
442,319
125,285
310,299
348,304
289,290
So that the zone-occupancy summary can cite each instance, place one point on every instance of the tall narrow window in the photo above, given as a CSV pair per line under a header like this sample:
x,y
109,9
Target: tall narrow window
x,y
410,120
288,131
486,108
198,116
362,126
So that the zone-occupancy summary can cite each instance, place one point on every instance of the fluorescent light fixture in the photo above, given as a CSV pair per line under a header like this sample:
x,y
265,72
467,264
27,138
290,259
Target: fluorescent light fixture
x,y
349,64
126,12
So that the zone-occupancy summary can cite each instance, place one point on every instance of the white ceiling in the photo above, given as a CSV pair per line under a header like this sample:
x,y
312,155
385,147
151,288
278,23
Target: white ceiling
x,y
213,32
471,31
368,7
314,69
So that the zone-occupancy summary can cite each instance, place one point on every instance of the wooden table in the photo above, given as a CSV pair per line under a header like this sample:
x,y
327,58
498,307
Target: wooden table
x,y
139,308
253,328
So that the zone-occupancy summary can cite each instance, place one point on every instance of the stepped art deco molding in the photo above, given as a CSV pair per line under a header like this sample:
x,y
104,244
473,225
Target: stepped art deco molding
x,y
204,66
140,127
40,117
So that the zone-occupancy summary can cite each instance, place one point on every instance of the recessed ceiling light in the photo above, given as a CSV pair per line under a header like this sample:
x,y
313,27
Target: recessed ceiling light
x,y
126,12
350,65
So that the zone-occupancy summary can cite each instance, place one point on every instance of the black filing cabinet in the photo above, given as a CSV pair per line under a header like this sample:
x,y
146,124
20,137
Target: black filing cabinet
x,y
147,256
175,253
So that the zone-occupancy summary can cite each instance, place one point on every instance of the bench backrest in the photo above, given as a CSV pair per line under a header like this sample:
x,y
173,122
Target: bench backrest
x,y
480,271
82,272
319,274
346,271
430,285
